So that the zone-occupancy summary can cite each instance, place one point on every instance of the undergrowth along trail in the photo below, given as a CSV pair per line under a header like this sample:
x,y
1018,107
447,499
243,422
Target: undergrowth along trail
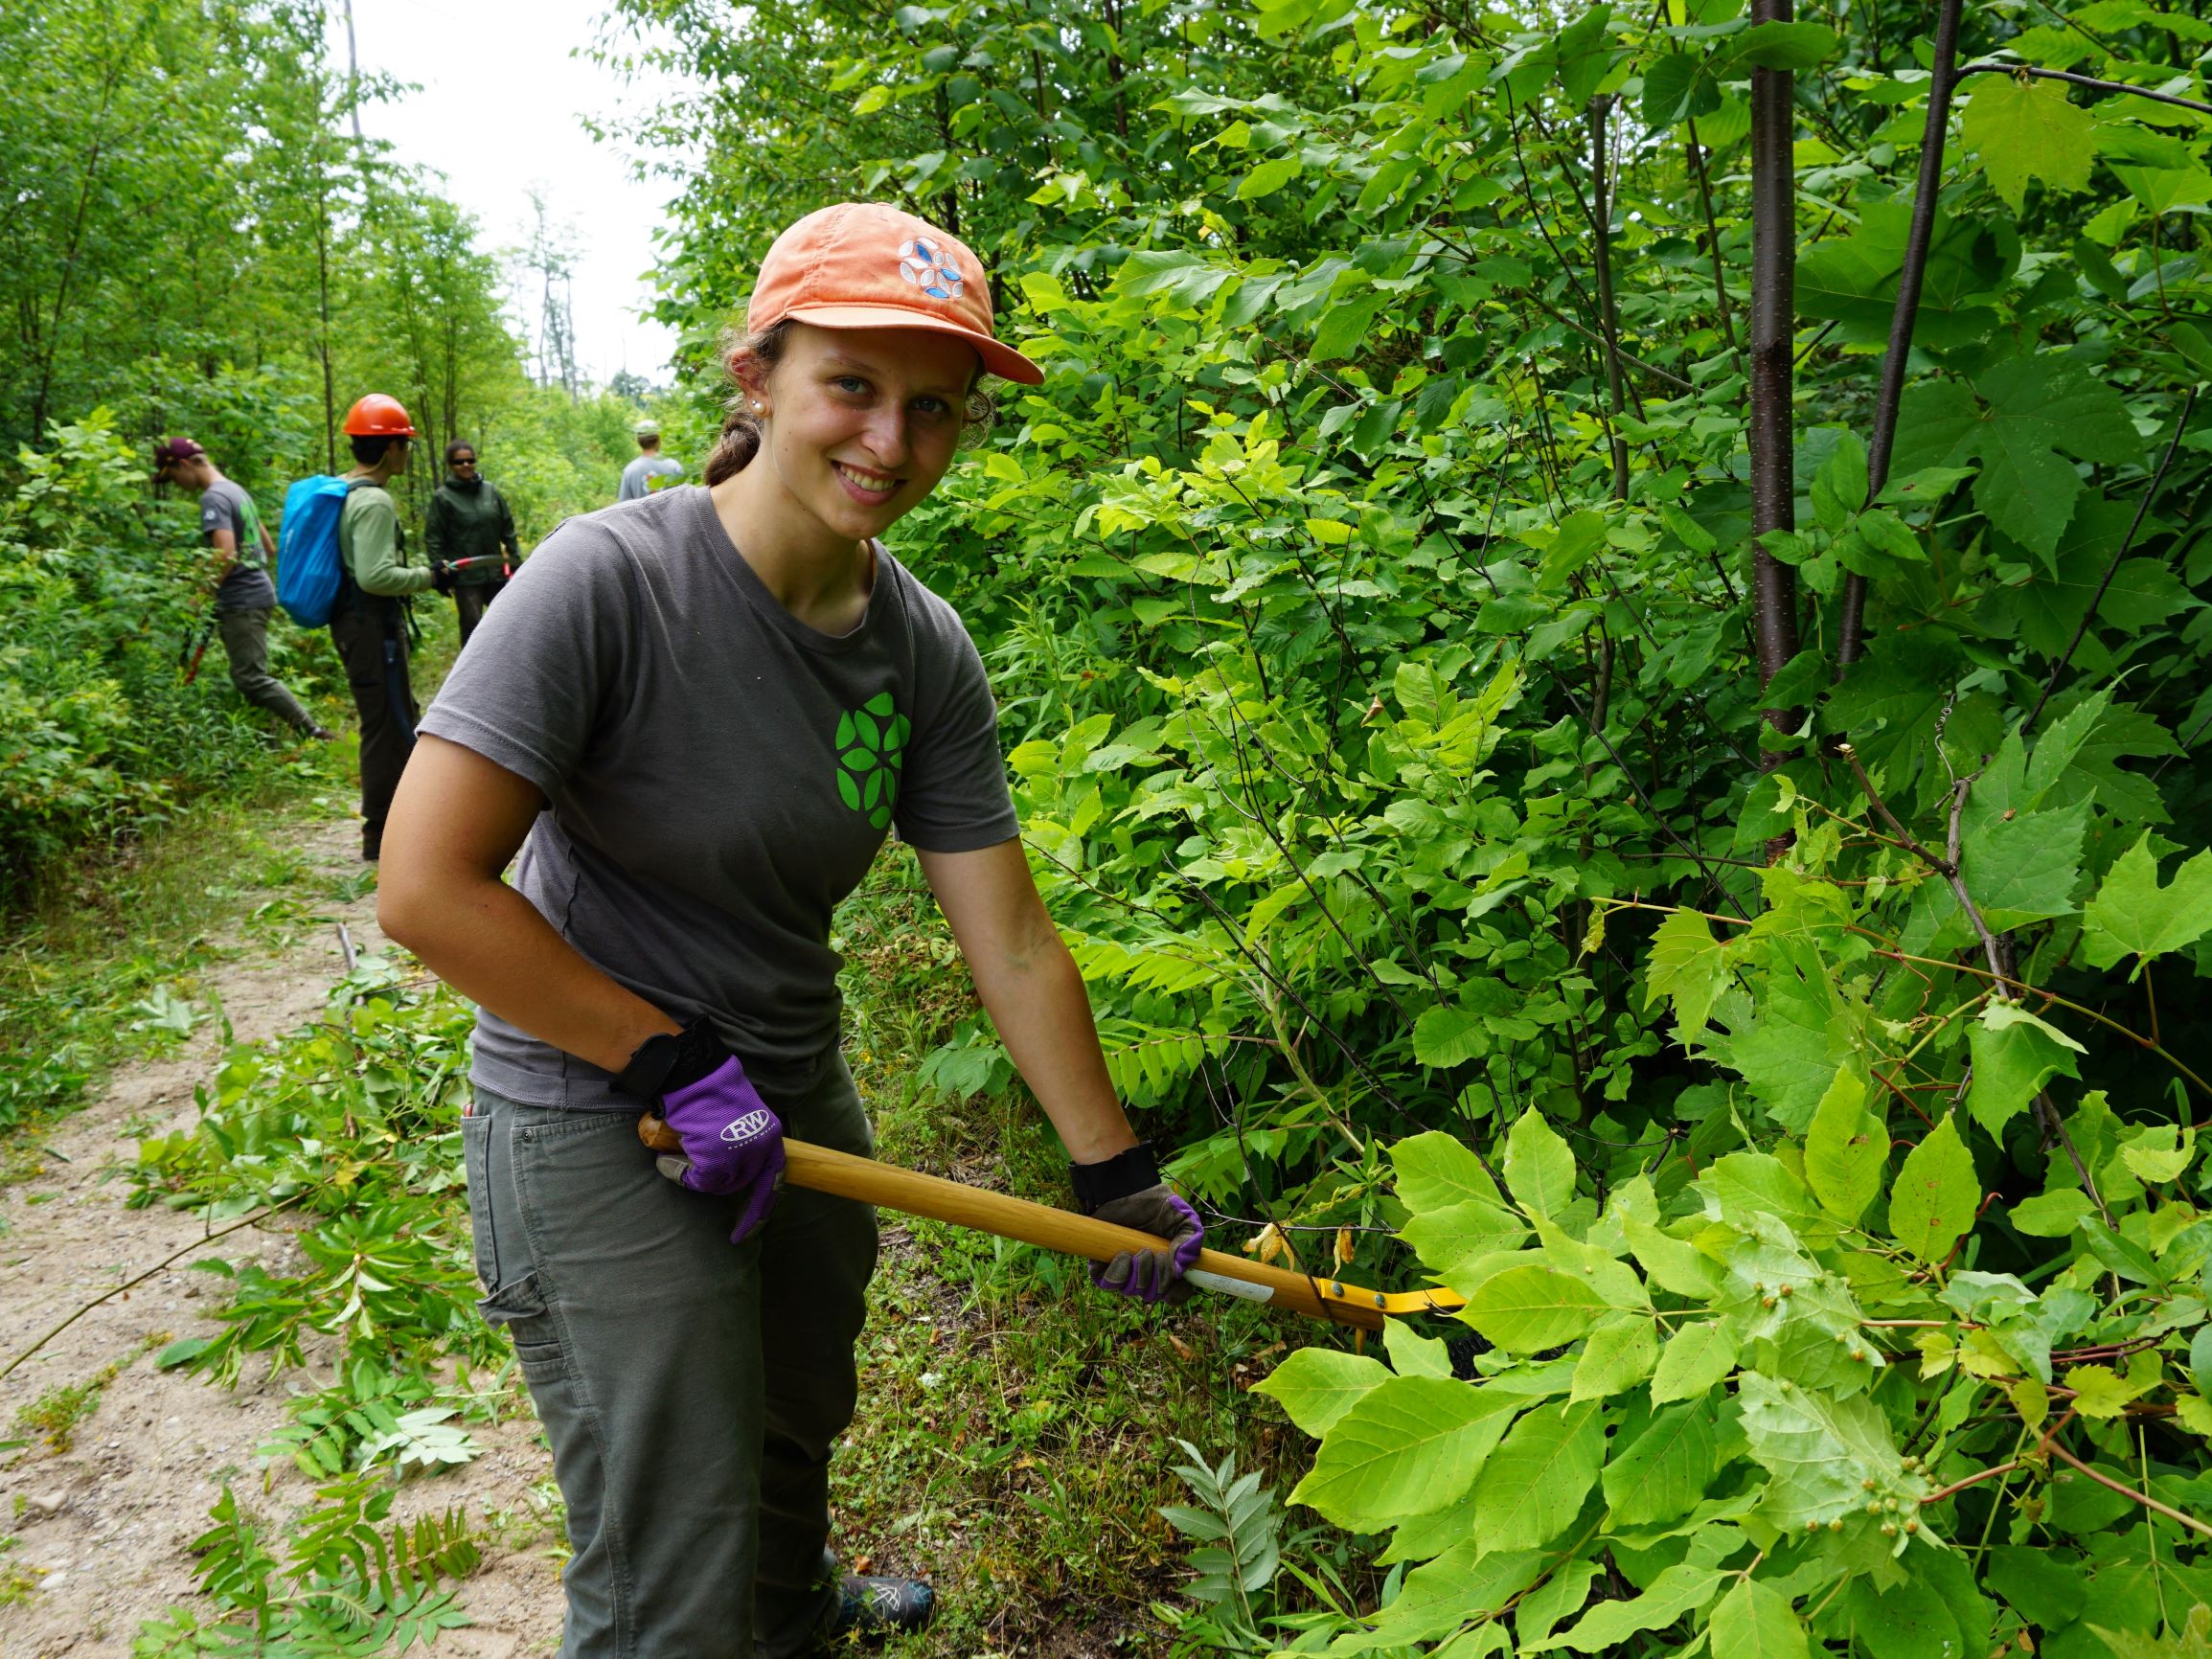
x,y
222,1455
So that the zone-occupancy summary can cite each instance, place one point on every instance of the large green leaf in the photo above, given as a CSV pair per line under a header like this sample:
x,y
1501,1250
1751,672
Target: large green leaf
x,y
1680,1589
1670,1263
1790,1054
1678,85
1820,1452
1536,1482
1907,1621
1465,1582
1688,965
1436,1170
1409,1445
1666,1469
2030,414
2014,1055
2132,916
2024,868
1851,280
1696,1358
2024,129
1619,1354
1539,1168
1318,1385
1445,1037
1936,1195
1754,1621
1448,1239
1846,1148
1526,1309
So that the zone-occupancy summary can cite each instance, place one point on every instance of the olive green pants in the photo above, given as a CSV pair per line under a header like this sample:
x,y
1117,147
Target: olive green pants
x,y
692,1388
245,637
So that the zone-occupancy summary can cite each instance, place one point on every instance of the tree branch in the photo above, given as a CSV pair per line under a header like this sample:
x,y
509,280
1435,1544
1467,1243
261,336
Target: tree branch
x,y
2104,1480
2088,80
1851,624
1774,312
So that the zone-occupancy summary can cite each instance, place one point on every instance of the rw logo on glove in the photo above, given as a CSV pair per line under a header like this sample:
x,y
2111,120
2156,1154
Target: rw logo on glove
x,y
738,1132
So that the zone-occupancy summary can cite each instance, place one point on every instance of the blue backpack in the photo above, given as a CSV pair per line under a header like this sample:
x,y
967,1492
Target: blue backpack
x,y
309,572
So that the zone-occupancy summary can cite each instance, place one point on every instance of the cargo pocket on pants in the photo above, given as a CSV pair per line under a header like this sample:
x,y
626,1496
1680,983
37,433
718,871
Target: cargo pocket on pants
x,y
520,1307
476,1131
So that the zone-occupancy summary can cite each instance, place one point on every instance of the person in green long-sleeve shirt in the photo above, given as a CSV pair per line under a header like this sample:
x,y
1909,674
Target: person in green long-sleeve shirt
x,y
370,624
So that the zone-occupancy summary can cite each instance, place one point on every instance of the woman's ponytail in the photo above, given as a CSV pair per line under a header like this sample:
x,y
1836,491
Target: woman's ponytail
x,y
741,439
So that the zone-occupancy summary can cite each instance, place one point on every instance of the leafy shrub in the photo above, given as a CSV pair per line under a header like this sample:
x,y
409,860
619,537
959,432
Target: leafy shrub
x,y
100,600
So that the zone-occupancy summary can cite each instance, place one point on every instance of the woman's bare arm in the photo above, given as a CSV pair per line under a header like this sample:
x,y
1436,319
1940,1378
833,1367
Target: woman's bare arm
x,y
1034,992
456,824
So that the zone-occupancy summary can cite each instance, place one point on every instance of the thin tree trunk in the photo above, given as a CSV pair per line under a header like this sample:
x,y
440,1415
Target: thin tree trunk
x,y
53,329
950,200
353,74
1608,313
1851,621
1773,321
1712,236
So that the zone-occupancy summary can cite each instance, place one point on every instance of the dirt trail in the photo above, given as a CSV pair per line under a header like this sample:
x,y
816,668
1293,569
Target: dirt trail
x,y
102,1530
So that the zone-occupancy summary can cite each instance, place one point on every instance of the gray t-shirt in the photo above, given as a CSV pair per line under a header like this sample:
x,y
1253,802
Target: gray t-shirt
x,y
637,478
719,774
224,504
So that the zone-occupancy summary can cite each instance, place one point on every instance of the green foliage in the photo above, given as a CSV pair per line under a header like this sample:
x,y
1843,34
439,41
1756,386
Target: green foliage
x,y
1237,1524
99,733
1380,692
346,1125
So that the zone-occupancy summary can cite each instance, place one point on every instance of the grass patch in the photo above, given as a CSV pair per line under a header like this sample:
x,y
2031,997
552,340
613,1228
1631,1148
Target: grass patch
x,y
56,1414
1018,1431
17,1582
98,966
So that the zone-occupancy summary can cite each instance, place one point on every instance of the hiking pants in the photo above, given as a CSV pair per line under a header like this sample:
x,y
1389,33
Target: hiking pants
x,y
371,640
245,637
692,1388
470,601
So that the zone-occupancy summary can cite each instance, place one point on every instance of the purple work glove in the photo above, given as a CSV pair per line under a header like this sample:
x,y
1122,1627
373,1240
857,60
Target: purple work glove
x,y
1126,1191
732,1143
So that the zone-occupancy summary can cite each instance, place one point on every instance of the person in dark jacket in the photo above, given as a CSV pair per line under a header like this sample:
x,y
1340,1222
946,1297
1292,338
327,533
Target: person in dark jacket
x,y
469,520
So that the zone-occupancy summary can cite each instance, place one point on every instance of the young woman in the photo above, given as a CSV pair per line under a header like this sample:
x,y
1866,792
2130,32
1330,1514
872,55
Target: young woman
x,y
697,715
468,520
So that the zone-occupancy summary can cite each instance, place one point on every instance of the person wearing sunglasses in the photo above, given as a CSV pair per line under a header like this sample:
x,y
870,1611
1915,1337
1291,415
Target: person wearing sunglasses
x,y
469,527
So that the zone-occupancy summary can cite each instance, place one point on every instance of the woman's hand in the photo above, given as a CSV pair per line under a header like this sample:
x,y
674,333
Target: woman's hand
x,y
727,1140
1127,1190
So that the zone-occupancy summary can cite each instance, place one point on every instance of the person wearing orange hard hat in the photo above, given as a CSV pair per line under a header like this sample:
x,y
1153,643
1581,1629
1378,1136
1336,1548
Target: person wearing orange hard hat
x,y
698,716
369,626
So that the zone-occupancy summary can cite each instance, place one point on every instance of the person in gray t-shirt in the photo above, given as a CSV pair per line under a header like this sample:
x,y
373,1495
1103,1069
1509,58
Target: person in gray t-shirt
x,y
651,471
244,597
697,717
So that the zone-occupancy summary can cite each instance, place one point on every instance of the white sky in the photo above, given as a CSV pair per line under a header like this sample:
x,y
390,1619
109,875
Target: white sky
x,y
498,111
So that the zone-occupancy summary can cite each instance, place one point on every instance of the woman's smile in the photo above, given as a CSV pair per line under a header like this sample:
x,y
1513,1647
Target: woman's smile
x,y
865,485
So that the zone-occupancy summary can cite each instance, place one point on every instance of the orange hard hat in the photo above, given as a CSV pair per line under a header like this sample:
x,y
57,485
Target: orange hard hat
x,y
377,416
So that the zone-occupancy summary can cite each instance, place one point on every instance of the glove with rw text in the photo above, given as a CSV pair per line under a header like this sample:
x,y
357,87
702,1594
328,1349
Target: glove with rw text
x,y
1126,1191
731,1142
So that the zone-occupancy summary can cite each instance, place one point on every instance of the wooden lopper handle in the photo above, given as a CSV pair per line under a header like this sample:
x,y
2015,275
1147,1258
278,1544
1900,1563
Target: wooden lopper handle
x,y
821,1169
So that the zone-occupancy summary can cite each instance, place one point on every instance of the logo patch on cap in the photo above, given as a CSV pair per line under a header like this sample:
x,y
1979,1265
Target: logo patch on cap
x,y
935,273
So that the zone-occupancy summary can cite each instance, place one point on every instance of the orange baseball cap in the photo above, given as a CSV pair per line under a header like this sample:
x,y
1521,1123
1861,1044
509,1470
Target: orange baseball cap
x,y
865,265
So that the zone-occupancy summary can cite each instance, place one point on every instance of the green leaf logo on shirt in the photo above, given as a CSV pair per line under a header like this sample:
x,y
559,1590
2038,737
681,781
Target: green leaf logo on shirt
x,y
870,749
